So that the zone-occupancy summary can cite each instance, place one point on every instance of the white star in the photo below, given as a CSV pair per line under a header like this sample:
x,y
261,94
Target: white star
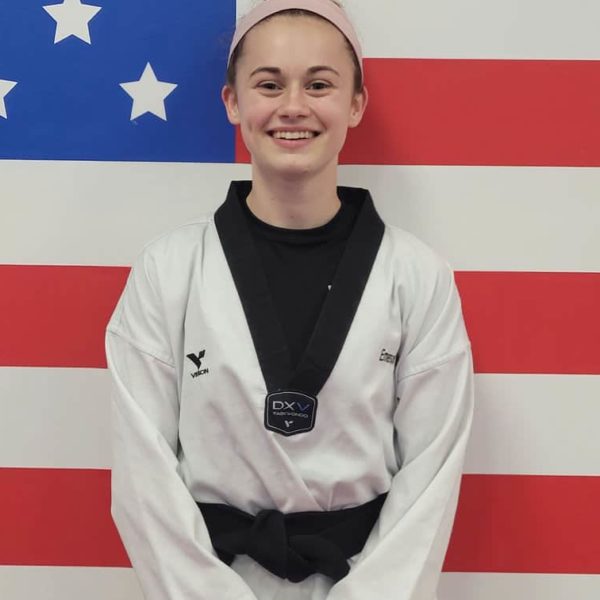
x,y
5,87
148,94
72,18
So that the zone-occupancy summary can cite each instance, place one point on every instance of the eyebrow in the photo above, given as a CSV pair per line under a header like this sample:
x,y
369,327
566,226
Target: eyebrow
x,y
277,70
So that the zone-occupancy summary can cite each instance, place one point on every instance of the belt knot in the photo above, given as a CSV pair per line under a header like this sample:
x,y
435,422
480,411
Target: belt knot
x,y
293,545
292,557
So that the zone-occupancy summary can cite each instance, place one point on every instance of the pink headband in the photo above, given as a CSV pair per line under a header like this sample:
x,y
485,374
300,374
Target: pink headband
x,y
324,8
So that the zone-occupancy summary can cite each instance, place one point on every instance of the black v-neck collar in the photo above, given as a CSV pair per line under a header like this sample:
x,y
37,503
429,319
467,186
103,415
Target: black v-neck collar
x,y
338,310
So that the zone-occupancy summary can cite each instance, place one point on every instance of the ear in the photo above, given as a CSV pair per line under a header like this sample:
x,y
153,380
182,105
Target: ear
x,y
358,107
229,98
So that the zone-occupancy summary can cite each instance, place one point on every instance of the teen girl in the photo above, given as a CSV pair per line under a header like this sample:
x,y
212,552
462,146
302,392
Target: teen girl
x,y
293,379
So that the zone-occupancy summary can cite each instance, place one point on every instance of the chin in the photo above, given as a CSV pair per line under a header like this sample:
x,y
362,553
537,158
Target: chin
x,y
293,173
291,168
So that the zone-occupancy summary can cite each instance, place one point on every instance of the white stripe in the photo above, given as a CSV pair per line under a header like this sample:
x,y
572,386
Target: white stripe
x,y
517,586
535,424
68,583
77,583
493,218
97,213
55,418
535,29
524,424
479,218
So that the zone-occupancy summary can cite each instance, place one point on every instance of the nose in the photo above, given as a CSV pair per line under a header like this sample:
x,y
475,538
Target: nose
x,y
294,103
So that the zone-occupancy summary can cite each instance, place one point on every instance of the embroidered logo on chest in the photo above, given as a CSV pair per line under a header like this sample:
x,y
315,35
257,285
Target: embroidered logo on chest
x,y
197,360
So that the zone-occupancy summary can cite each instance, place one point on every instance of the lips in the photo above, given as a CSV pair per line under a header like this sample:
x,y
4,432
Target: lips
x,y
294,134
293,144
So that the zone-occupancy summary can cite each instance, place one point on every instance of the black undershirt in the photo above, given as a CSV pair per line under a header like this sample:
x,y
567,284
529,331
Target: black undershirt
x,y
299,265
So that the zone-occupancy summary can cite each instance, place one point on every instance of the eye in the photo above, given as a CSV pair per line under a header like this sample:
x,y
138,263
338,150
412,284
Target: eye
x,y
270,86
319,85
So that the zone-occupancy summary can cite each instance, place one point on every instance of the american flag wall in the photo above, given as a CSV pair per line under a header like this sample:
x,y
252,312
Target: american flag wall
x,y
481,137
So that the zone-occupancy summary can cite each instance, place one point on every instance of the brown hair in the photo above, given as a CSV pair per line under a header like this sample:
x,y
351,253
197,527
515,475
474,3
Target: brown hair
x,y
294,12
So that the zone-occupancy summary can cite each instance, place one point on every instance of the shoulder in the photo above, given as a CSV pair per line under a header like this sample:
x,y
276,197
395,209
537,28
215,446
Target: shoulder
x,y
156,288
415,262
178,240
174,252
164,264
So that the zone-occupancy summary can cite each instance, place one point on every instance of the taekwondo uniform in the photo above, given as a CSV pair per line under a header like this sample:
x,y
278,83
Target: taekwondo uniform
x,y
217,437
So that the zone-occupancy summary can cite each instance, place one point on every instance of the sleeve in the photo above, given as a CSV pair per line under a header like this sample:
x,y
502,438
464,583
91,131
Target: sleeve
x,y
403,556
160,524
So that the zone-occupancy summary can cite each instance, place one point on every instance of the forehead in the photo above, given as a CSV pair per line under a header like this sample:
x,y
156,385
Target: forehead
x,y
295,40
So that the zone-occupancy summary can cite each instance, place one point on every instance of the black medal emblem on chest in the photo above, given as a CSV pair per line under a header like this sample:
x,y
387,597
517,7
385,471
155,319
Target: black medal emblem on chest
x,y
290,413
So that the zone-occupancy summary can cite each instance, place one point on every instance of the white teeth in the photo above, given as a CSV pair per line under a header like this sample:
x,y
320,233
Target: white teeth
x,y
293,135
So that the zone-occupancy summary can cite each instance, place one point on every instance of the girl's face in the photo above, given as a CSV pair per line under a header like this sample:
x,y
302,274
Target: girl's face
x,y
295,77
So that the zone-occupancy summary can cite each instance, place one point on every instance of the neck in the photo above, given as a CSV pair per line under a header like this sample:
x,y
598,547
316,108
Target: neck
x,y
294,203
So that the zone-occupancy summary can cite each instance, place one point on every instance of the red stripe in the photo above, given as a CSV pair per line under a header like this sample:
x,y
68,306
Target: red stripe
x,y
532,322
526,524
518,322
477,112
58,517
55,316
504,523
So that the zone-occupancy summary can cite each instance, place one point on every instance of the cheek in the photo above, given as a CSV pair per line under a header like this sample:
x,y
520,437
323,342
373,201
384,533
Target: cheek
x,y
336,113
255,115
336,121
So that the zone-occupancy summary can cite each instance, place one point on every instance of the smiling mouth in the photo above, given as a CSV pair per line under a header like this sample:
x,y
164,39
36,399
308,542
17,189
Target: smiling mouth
x,y
293,135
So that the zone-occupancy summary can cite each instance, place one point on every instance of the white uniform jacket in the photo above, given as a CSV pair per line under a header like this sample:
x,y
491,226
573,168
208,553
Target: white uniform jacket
x,y
194,347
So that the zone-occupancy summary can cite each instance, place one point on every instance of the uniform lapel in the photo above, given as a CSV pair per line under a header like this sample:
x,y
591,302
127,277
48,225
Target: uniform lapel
x,y
338,310
341,303
251,284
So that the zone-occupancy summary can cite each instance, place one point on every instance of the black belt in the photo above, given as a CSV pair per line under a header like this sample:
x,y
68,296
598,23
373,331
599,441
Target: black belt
x,y
293,545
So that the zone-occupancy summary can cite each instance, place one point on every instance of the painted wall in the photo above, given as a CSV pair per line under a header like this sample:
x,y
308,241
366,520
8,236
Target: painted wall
x,y
482,137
